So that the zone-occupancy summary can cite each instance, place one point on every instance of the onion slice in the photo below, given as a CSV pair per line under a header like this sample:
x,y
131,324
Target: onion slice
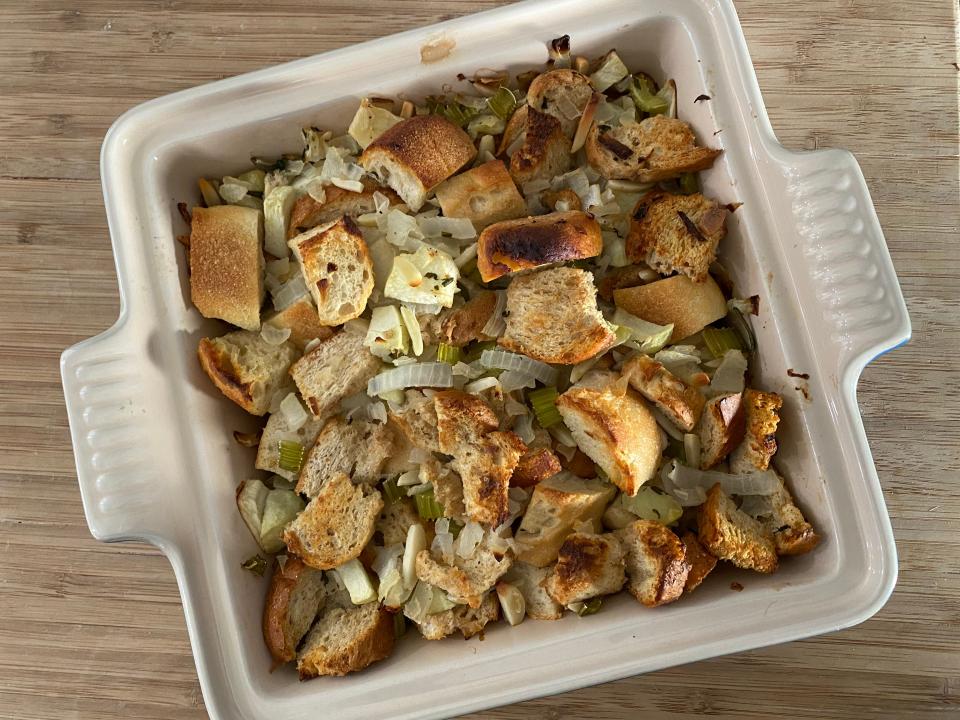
x,y
586,120
433,374
498,359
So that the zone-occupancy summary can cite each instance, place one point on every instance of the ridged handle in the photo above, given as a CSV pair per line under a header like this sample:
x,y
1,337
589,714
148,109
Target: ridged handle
x,y
110,427
840,239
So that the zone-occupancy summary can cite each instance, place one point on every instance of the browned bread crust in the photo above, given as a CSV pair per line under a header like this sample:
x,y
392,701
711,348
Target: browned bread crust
x,y
731,534
529,242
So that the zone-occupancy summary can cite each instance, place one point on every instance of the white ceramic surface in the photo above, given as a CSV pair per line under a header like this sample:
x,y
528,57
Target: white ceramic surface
x,y
152,437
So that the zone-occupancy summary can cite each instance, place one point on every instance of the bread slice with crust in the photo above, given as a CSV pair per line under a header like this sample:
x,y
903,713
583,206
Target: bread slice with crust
x,y
530,581
722,426
552,316
337,269
301,319
701,562
545,152
688,305
309,213
760,441
556,91
467,579
530,242
295,596
346,639
463,325
484,195
616,430
395,520
588,565
416,155
358,449
226,264
339,366
654,149
656,562
536,465
681,403
557,504
336,525
484,457
417,420
469,621
676,233
730,534
277,429
246,368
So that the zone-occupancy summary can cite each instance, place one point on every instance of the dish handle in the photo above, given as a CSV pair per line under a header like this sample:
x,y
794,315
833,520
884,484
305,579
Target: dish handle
x,y
852,278
112,440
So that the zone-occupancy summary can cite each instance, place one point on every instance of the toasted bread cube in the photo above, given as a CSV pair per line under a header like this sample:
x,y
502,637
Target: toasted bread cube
x,y
688,305
792,534
395,521
337,269
246,368
556,505
469,621
513,245
484,195
346,639
226,264
701,562
552,316
587,566
336,525
417,420
515,126
337,367
681,403
416,155
447,488
555,91
545,152
277,429
760,441
722,426
656,562
358,449
730,534
530,581
464,325
309,213
467,579
294,598
301,319
483,457
676,233
616,430
656,148
535,466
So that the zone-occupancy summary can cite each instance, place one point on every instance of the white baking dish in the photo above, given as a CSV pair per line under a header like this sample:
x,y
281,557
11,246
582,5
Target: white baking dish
x,y
155,456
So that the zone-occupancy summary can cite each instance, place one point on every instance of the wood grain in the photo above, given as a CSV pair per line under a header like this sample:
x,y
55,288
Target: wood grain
x,y
95,631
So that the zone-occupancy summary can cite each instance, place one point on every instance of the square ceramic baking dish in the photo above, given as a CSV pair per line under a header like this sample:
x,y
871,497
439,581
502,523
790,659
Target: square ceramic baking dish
x,y
152,437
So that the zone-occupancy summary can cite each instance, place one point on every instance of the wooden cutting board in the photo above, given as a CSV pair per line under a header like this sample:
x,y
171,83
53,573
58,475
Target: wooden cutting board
x,y
96,631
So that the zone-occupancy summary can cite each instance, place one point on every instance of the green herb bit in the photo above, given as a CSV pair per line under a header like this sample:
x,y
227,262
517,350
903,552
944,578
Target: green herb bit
x,y
257,564
590,607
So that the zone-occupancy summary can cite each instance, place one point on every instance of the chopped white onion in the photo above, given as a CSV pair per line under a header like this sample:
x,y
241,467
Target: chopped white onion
x,y
288,293
523,427
465,257
496,324
415,375
729,377
469,539
351,185
758,483
293,412
417,489
511,602
511,380
757,506
503,360
664,422
442,546
513,408
416,541
419,456
413,329
377,411
273,335
409,478
478,386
